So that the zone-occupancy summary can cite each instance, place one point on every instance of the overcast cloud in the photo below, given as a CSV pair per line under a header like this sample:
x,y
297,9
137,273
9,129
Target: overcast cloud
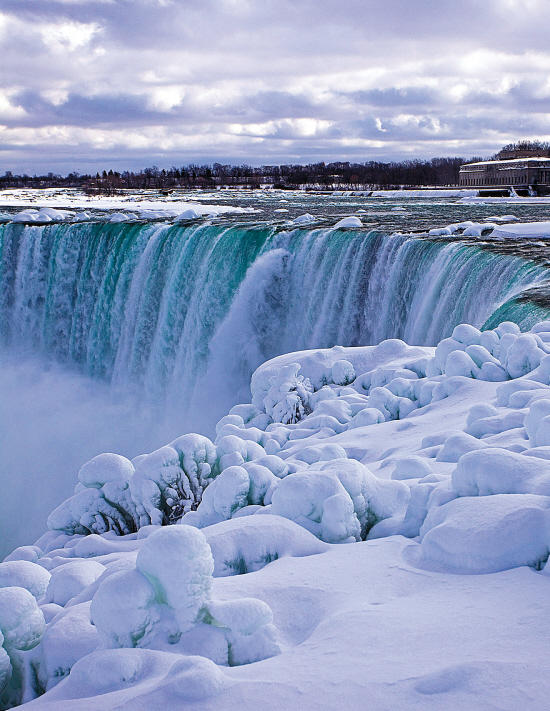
x,y
130,83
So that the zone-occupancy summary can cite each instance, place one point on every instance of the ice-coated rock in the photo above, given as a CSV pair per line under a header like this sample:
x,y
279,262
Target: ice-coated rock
x,y
189,214
349,222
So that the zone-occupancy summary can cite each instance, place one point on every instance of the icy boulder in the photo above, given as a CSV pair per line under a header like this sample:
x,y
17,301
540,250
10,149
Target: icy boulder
x,y
485,535
523,355
349,222
343,372
365,417
102,500
173,573
234,450
303,219
189,214
244,545
248,628
440,232
178,563
22,626
477,229
170,481
391,406
124,610
457,445
29,553
287,400
318,502
496,424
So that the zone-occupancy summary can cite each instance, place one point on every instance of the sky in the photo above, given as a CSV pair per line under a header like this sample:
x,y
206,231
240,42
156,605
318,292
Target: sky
x,y
125,84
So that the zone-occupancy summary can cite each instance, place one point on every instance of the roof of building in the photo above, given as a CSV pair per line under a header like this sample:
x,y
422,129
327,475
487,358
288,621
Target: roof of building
x,y
537,159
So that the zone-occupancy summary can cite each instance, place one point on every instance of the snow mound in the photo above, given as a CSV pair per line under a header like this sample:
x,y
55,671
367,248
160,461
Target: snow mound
x,y
477,535
524,230
304,219
243,545
166,601
24,574
349,222
189,214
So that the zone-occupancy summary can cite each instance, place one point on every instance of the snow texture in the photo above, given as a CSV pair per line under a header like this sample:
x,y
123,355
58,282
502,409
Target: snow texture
x,y
429,461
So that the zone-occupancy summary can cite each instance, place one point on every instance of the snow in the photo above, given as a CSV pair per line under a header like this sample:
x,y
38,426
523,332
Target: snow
x,y
24,574
472,535
246,544
349,222
375,525
426,193
303,219
524,230
52,204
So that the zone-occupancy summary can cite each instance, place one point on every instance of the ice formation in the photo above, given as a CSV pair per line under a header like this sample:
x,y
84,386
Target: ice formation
x,y
448,447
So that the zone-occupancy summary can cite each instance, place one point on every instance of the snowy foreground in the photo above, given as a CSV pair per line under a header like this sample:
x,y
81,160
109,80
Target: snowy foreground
x,y
372,531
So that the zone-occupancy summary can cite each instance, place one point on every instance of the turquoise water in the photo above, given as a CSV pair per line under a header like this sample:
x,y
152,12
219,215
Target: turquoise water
x,y
156,307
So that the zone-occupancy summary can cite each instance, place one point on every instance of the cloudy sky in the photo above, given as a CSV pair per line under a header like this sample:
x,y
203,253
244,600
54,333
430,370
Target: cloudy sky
x,y
88,84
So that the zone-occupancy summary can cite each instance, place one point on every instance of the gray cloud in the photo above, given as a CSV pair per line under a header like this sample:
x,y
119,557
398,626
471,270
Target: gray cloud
x,y
132,82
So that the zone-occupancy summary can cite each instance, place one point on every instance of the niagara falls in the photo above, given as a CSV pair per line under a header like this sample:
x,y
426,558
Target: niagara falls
x,y
274,355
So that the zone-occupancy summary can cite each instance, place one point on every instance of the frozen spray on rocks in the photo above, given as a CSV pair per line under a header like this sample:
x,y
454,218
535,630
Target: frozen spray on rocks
x,y
447,446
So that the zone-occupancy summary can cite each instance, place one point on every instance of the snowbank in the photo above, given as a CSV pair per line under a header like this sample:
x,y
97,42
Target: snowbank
x,y
524,230
434,458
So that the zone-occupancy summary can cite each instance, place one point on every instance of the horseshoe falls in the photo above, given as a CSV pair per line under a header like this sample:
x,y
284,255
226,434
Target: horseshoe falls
x,y
120,336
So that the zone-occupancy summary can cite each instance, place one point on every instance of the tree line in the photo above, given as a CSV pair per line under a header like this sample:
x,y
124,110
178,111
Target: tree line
x,y
370,175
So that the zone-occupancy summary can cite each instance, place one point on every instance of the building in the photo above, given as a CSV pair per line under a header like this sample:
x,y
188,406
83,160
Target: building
x,y
523,167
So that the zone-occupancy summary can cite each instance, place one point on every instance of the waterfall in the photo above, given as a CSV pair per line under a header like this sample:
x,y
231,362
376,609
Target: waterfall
x,y
168,310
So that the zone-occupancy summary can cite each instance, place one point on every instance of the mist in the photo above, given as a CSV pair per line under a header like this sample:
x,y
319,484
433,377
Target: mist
x,y
53,421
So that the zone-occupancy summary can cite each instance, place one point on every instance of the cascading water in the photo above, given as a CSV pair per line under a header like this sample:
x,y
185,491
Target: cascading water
x,y
163,309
